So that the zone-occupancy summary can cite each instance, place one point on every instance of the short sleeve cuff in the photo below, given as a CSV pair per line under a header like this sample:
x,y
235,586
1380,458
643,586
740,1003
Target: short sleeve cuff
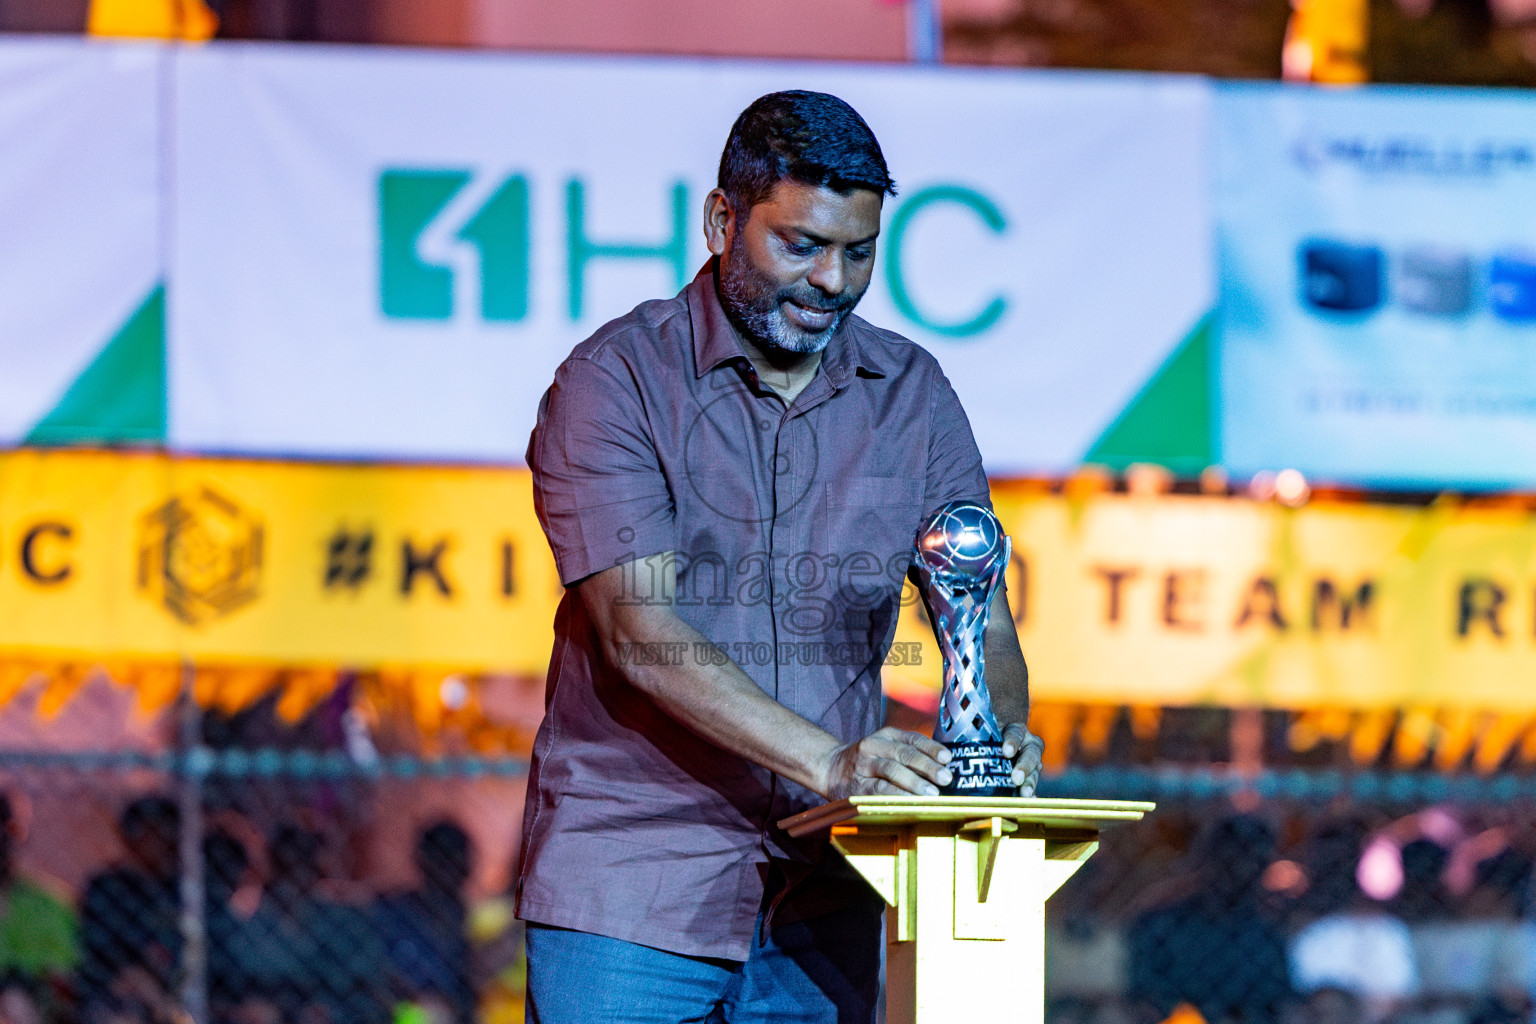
x,y
608,535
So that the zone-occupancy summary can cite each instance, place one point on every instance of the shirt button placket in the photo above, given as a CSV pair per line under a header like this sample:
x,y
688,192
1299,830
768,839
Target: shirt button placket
x,y
788,539
773,426
781,494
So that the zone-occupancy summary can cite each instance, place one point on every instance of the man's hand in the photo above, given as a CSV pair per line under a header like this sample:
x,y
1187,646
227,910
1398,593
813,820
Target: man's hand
x,y
889,760
1025,748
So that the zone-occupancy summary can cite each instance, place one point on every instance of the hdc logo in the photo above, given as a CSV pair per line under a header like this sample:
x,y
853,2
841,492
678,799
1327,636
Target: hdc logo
x,y
415,203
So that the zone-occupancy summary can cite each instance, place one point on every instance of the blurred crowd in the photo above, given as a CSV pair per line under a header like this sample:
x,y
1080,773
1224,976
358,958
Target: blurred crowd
x,y
1339,917
1287,913
280,943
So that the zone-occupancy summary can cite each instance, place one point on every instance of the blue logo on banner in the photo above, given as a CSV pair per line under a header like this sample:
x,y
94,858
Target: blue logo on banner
x,y
1340,277
1343,277
1512,285
1435,281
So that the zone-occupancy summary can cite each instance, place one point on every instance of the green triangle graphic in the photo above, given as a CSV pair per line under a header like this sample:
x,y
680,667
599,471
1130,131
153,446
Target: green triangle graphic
x,y
1170,420
120,396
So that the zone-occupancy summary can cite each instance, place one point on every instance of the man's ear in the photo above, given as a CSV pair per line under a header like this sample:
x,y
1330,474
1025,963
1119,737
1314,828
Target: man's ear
x,y
719,222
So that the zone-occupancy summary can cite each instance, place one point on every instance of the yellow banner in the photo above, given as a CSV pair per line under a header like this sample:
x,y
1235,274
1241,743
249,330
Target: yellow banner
x,y
1182,600
223,561
1147,601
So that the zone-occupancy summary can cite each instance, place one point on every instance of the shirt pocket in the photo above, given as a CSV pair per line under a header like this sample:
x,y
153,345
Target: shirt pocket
x,y
875,515
871,525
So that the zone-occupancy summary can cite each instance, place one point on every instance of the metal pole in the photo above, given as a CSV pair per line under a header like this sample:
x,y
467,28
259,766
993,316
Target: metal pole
x,y
190,768
925,31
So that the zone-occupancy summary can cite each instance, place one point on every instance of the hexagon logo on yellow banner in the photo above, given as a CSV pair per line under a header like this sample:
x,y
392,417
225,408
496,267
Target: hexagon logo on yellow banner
x,y
200,556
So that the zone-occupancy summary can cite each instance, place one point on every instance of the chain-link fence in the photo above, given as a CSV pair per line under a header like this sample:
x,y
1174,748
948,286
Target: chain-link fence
x,y
1303,897
258,885
261,887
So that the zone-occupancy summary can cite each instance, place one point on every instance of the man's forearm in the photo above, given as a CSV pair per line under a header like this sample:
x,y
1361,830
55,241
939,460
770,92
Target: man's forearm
x,y
1006,673
721,703
1008,681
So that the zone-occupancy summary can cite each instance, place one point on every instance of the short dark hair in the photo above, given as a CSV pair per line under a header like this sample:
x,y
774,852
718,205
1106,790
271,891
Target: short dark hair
x,y
156,816
809,137
445,841
444,854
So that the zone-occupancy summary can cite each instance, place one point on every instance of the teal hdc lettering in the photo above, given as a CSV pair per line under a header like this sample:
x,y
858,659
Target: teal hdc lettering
x,y
895,276
581,250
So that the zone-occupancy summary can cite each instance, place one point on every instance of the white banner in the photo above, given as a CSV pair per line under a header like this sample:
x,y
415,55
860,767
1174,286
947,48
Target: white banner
x,y
80,262
385,254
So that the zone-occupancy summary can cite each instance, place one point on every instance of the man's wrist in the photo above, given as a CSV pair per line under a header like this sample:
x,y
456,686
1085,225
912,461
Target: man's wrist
x,y
822,768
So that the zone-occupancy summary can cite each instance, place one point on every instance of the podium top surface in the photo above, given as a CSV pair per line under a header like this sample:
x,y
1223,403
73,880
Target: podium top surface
x,y
911,810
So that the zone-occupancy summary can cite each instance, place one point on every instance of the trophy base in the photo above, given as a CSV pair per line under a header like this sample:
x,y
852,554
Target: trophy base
x,y
979,769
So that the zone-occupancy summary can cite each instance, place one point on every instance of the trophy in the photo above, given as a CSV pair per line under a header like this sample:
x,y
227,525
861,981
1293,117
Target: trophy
x,y
959,558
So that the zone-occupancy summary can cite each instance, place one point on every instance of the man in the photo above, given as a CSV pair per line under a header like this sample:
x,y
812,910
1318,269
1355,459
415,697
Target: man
x,y
731,482
39,944
425,930
309,957
1220,946
130,920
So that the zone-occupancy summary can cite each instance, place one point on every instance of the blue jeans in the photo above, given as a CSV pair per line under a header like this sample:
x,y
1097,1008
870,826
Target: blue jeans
x,y
824,970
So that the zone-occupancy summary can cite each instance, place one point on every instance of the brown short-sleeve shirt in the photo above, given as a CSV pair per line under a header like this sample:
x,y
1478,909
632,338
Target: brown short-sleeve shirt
x,y
792,529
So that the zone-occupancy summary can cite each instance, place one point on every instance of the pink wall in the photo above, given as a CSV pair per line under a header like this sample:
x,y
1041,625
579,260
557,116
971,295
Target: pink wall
x,y
820,29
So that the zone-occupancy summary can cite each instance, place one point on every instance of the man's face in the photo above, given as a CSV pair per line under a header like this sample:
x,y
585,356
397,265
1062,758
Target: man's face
x,y
792,271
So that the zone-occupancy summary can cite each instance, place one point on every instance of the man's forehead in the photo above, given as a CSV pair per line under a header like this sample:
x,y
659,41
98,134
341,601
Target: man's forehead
x,y
821,210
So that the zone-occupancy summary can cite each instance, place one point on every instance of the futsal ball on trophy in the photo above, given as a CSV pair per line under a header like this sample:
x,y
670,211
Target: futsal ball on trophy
x,y
959,558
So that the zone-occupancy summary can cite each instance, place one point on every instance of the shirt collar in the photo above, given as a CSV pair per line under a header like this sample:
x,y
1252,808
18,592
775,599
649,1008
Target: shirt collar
x,y
716,342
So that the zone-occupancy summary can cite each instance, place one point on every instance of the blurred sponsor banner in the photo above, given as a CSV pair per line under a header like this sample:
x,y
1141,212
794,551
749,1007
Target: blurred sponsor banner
x,y
385,255
80,298
1377,251
130,560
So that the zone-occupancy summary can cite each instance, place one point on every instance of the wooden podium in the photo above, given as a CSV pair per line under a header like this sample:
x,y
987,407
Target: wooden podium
x,y
966,880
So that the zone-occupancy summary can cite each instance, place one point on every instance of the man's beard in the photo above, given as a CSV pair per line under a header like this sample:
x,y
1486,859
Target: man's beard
x,y
754,305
